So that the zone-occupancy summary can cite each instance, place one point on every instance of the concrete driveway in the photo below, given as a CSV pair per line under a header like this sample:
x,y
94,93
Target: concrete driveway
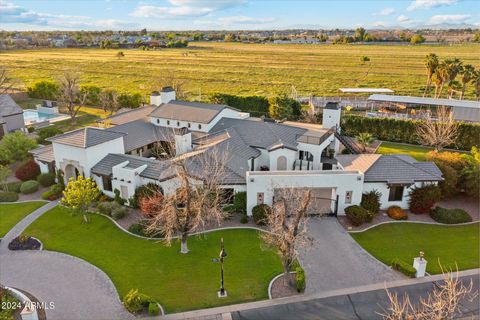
x,y
336,261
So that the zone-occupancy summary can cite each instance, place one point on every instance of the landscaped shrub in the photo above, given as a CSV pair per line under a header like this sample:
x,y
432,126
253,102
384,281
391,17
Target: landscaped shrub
x,y
240,202
117,198
137,228
404,268
119,213
422,199
12,186
260,213
146,190
358,215
47,132
397,213
244,218
451,165
450,216
29,186
153,309
371,201
28,171
46,179
8,196
136,302
107,207
300,279
257,106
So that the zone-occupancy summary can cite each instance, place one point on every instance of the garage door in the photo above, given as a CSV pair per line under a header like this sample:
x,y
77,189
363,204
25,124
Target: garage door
x,y
322,199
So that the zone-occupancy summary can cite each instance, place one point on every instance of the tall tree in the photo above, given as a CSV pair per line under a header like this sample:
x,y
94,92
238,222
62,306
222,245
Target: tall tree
x,y
449,69
468,74
287,226
439,132
5,172
79,194
360,34
195,203
14,147
69,94
109,101
431,65
5,81
476,83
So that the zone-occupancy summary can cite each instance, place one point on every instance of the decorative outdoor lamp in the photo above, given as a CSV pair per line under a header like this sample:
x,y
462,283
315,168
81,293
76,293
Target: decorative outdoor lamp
x,y
222,293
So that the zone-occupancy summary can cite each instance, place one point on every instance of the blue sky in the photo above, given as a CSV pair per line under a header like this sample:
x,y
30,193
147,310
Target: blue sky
x,y
234,14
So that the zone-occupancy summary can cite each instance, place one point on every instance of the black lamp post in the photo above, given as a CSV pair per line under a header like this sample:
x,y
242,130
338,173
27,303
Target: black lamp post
x,y
222,255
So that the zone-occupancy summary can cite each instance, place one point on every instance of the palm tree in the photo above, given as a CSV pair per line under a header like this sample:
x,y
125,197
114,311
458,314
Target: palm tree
x,y
453,88
431,64
476,82
449,68
364,139
468,74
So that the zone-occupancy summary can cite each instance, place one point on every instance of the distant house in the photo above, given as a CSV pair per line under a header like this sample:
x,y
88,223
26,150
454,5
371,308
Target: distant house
x,y
11,115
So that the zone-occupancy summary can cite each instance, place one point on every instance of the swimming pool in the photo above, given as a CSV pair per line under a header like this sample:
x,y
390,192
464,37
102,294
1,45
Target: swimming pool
x,y
32,116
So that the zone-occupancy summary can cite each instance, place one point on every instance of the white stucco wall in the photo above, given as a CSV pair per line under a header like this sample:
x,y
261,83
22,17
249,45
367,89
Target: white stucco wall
x,y
290,155
13,122
341,181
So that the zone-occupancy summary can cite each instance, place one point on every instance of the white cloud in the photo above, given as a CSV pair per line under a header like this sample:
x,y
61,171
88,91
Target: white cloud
x,y
403,18
427,4
11,13
385,12
381,24
184,8
449,18
243,20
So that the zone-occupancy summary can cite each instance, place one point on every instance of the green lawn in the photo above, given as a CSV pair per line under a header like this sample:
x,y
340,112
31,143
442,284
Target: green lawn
x,y
447,244
12,213
417,152
179,282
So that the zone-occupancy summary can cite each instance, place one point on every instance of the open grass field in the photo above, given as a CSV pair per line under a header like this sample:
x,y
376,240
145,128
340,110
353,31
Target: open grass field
x,y
417,152
244,69
11,214
178,281
448,245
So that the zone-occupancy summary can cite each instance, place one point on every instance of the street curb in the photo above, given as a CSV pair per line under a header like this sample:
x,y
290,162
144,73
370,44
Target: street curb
x,y
417,222
271,284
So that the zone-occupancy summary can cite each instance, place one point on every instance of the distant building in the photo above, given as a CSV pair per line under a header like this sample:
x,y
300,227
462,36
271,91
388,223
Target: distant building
x,y
11,115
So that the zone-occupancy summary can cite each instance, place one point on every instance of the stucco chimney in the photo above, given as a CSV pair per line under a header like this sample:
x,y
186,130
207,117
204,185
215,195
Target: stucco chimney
x,y
167,94
183,141
331,116
155,98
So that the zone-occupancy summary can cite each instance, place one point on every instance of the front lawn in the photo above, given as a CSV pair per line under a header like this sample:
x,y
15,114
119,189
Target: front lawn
x,y
417,152
12,213
179,282
447,244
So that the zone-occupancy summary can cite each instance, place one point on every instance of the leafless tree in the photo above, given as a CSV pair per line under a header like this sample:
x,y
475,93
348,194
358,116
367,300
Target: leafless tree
x,y
169,79
441,303
439,132
195,203
287,226
109,101
69,94
5,81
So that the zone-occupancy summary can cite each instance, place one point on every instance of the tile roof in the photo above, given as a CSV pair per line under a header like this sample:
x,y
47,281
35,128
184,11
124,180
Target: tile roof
x,y
86,137
395,168
188,111
44,153
139,133
8,106
126,115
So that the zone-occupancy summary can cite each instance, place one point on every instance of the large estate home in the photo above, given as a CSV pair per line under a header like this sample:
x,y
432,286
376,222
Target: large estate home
x,y
136,147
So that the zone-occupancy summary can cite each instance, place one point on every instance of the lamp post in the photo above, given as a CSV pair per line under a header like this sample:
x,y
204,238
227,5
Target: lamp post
x,y
223,253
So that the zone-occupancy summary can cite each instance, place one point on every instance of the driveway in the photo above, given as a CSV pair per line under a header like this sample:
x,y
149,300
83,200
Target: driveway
x,y
77,289
336,261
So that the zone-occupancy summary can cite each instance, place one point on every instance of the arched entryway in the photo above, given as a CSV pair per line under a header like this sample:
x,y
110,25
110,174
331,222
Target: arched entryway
x,y
282,163
71,172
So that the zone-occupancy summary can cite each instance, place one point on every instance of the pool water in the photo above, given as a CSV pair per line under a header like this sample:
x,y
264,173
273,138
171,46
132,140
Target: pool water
x,y
31,116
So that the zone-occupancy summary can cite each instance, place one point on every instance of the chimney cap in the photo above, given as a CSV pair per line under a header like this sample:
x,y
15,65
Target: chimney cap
x,y
167,89
154,93
332,106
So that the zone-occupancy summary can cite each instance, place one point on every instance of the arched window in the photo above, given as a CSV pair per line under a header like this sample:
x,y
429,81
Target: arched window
x,y
282,163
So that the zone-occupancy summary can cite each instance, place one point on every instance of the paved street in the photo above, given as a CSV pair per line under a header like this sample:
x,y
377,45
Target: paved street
x,y
78,289
336,261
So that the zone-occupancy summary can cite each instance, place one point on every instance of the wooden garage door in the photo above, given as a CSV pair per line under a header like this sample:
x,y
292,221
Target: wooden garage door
x,y
321,200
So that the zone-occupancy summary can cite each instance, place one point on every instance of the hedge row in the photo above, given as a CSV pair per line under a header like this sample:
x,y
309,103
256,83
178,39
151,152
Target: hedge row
x,y
404,268
256,105
401,130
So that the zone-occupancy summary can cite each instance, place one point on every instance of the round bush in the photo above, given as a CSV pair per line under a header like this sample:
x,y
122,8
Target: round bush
x,y
46,179
153,309
8,196
357,215
422,199
28,171
371,201
397,213
244,218
260,213
450,216
138,229
29,186
119,213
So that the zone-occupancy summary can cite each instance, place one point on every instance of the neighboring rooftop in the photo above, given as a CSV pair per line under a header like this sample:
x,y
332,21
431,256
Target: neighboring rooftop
x,y
86,137
8,106
393,169
127,115
189,111
425,101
